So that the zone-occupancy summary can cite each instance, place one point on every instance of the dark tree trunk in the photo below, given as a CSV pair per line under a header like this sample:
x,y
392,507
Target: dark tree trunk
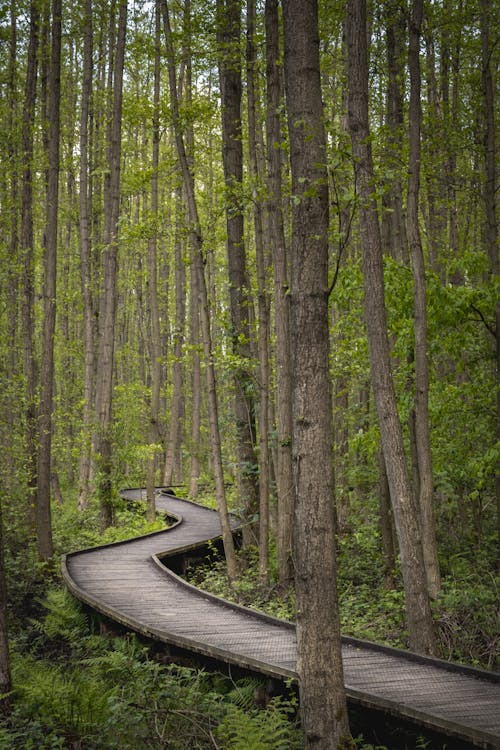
x,y
255,143
27,251
284,474
44,521
418,611
107,315
228,38
319,660
5,673
85,261
490,190
422,428
154,323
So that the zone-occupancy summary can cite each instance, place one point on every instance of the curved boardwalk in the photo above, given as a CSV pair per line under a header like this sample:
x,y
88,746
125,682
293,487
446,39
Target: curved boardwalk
x,y
128,583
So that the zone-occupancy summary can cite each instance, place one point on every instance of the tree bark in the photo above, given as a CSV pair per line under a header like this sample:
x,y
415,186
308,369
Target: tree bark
x,y
27,252
418,611
422,427
177,408
107,315
228,39
85,201
44,520
154,326
490,189
319,659
284,474
258,177
197,242
5,672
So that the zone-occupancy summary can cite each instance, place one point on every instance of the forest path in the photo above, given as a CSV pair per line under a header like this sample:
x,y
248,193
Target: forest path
x,y
128,582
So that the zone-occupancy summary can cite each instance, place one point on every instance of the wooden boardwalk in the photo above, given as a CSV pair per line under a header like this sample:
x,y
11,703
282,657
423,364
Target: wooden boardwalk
x,y
128,583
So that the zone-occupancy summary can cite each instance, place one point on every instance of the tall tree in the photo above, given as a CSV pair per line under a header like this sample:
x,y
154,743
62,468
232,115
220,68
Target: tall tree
x,y
256,159
154,326
425,485
107,314
27,252
490,191
84,219
44,522
284,473
228,37
319,659
196,240
418,612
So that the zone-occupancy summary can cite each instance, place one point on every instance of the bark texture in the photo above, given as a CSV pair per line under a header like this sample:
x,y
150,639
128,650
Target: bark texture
x,y
418,612
319,660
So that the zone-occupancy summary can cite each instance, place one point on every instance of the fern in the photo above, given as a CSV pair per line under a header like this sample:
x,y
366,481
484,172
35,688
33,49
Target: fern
x,y
269,729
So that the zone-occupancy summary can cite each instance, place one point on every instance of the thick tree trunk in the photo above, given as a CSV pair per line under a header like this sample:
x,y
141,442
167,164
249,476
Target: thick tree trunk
x,y
197,243
44,521
422,427
284,474
85,263
319,660
228,38
418,611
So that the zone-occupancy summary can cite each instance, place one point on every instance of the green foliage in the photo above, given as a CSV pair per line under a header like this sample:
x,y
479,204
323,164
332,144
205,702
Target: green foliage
x,y
269,729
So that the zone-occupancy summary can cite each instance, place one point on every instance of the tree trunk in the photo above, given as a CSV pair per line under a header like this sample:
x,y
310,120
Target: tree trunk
x,y
228,39
418,611
27,251
5,673
257,172
154,326
85,263
107,315
197,242
177,409
422,428
44,521
491,230
319,660
284,475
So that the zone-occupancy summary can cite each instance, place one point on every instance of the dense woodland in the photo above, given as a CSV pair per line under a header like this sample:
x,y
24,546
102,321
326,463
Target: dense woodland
x,y
249,251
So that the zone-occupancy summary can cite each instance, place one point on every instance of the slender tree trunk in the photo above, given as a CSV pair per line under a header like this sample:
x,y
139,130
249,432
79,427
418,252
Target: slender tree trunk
x,y
319,660
85,262
177,409
27,252
154,327
422,428
197,242
418,611
107,316
228,38
44,522
257,172
284,474
5,673
490,190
